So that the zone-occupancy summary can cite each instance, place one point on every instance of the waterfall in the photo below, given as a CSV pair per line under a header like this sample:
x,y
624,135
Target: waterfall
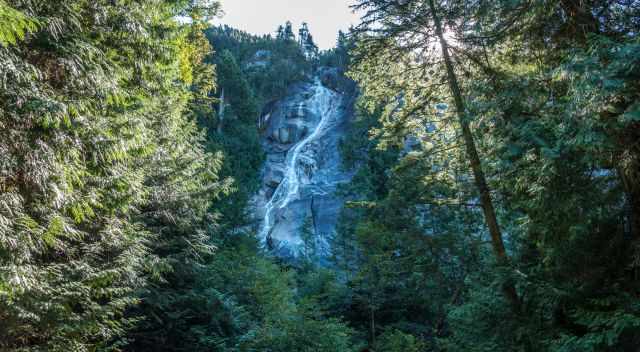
x,y
324,103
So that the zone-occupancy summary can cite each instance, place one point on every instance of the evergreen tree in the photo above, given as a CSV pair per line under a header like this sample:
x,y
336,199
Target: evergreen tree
x,y
550,186
408,20
303,34
239,97
118,232
280,32
287,34
305,40
309,240
102,167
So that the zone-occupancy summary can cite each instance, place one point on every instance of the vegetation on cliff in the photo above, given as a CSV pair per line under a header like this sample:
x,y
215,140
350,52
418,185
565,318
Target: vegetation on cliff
x,y
495,203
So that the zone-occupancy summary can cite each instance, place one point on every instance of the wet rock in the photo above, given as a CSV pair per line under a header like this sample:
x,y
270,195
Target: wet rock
x,y
273,178
334,78
268,193
284,135
297,112
289,133
330,77
265,115
302,132
318,165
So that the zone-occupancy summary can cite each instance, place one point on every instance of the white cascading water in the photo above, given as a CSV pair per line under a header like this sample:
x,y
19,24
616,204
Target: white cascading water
x,y
325,104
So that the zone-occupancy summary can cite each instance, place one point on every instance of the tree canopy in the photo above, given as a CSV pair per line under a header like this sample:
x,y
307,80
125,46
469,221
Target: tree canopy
x,y
494,203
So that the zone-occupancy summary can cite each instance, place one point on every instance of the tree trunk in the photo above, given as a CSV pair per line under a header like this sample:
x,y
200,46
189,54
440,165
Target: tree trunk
x,y
476,166
580,20
373,326
632,202
221,112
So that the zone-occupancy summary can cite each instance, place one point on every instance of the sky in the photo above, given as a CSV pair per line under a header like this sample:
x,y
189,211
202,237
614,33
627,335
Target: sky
x,y
325,17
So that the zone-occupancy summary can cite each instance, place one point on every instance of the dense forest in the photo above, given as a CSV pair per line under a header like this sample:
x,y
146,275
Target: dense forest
x,y
493,205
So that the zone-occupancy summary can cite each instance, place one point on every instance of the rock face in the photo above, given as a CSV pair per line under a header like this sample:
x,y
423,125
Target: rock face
x,y
335,79
303,169
260,59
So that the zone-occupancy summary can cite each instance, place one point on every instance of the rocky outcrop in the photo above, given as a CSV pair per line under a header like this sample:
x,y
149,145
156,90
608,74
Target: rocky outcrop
x,y
330,77
273,177
334,78
301,133
289,133
261,59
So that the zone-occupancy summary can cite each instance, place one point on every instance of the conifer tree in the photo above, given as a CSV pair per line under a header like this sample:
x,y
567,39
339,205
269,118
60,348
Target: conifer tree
x,y
287,34
102,166
305,40
545,150
416,26
280,32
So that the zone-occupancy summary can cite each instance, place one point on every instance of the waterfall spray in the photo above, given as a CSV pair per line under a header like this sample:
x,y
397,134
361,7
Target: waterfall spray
x,y
323,102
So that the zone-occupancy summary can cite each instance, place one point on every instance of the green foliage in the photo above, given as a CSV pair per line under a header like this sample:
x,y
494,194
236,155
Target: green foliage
x,y
14,25
397,341
234,298
243,160
551,96
251,71
339,56
270,65
308,236
105,184
240,96
305,40
120,143
301,331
